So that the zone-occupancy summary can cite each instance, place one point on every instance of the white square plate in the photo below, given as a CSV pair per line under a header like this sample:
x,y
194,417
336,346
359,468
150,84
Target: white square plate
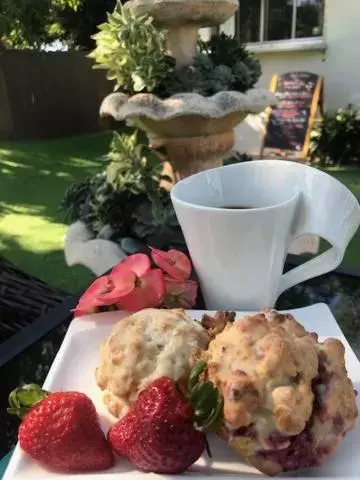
x,y
73,369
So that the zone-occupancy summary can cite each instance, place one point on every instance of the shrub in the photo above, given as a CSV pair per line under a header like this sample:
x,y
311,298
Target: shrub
x,y
336,140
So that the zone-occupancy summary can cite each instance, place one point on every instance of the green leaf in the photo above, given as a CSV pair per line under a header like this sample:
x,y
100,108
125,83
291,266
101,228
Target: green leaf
x,y
195,373
22,399
131,46
205,400
215,417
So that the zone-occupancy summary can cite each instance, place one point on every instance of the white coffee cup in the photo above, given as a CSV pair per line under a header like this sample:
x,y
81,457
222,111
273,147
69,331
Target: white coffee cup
x,y
239,254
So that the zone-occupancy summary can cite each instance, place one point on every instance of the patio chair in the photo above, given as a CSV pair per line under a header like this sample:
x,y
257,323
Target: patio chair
x,y
23,298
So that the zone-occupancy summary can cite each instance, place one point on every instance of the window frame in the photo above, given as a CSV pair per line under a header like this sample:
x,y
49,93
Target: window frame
x,y
317,39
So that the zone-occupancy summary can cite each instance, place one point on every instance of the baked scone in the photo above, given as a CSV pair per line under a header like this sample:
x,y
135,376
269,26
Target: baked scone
x,y
144,346
288,402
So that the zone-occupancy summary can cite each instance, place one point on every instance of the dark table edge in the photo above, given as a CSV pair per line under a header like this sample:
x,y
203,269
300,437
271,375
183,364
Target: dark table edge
x,y
58,314
36,330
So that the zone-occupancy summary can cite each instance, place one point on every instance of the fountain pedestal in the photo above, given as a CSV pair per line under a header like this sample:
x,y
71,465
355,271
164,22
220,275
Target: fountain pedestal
x,y
189,155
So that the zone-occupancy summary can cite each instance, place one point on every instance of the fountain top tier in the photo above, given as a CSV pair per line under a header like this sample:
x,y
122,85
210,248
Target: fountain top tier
x,y
178,13
197,131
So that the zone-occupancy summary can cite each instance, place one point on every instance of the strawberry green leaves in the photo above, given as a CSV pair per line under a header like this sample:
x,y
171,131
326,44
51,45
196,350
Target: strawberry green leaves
x,y
205,399
22,399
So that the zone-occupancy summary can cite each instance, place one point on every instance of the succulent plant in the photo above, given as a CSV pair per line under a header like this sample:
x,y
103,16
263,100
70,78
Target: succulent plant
x,y
132,165
125,199
156,221
132,51
134,54
221,64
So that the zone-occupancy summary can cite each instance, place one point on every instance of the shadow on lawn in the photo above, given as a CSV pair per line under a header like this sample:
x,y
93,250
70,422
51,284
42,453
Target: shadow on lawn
x,y
49,266
34,176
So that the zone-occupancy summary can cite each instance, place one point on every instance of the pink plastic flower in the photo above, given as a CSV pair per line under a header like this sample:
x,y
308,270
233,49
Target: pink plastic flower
x,y
101,292
175,263
146,287
139,263
134,285
180,294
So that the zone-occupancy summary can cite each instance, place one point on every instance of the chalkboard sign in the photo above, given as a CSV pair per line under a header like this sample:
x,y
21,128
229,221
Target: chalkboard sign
x,y
290,123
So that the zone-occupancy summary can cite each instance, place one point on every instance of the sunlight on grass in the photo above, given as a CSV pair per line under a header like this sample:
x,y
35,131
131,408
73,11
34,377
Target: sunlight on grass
x,y
33,179
21,209
83,162
36,244
28,229
10,163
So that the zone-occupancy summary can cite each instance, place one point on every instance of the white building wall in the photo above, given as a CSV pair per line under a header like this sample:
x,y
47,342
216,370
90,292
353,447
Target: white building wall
x,y
339,63
342,64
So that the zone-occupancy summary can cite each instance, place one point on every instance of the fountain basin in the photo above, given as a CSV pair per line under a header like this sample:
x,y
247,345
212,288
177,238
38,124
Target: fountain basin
x,y
197,131
175,13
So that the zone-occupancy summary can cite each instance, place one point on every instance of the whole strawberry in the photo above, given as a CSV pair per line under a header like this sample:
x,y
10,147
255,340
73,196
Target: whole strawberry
x,y
62,431
163,432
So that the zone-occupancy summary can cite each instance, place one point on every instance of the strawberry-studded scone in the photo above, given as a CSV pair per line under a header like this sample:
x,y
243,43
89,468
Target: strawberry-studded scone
x,y
142,347
288,402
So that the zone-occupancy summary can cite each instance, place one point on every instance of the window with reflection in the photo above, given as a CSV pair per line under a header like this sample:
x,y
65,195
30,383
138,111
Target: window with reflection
x,y
249,20
271,20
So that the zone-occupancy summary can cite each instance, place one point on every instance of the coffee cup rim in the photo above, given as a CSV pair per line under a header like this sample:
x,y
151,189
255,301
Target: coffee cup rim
x,y
234,211
282,163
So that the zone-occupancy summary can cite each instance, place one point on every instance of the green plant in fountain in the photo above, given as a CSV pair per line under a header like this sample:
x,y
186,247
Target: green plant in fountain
x,y
134,54
156,222
132,165
132,51
125,199
221,64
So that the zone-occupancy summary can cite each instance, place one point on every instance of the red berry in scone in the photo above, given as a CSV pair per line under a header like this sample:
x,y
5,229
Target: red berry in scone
x,y
164,430
288,402
61,431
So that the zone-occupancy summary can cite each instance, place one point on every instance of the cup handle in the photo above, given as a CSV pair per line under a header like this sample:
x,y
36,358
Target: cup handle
x,y
345,220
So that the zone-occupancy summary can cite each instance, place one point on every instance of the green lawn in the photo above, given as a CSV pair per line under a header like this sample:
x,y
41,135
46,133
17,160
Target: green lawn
x,y
33,178
350,176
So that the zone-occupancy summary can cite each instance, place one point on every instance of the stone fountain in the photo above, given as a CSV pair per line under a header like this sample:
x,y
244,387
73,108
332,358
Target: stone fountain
x,y
197,131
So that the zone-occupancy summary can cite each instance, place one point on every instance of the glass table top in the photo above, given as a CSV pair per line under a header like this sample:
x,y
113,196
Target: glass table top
x,y
340,292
